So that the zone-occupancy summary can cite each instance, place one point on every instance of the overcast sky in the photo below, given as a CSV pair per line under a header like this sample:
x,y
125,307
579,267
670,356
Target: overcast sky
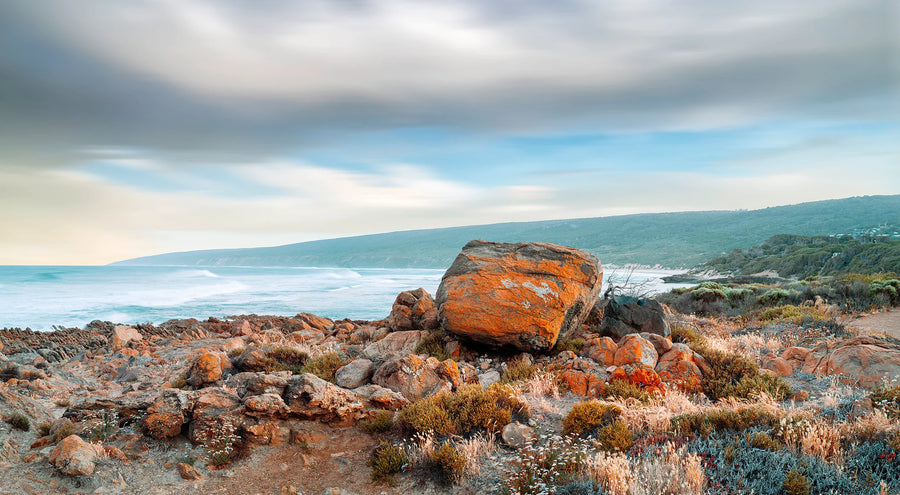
x,y
148,126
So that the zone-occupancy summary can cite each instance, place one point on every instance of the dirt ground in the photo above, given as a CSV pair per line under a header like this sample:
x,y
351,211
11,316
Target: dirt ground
x,y
887,322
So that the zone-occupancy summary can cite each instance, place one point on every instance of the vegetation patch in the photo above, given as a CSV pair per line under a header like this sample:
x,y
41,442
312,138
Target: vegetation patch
x,y
887,398
18,421
718,420
449,461
387,460
589,416
323,365
472,408
433,345
733,375
381,422
798,315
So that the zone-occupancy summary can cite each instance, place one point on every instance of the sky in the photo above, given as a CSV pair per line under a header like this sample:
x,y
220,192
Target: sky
x,y
150,126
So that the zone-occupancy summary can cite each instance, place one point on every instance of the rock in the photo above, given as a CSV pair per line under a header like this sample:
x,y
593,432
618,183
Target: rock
x,y
660,343
241,328
517,435
489,378
582,383
166,416
683,374
642,375
255,383
122,335
188,472
525,295
207,368
317,322
413,309
795,356
267,432
602,350
779,365
864,361
380,397
800,396
412,376
394,344
355,374
624,315
633,349
311,397
75,457
267,404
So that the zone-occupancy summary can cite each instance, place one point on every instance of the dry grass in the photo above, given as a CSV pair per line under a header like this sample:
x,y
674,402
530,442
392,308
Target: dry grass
x,y
672,471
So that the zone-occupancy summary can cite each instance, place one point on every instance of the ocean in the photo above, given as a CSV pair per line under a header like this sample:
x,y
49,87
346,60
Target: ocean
x,y
41,297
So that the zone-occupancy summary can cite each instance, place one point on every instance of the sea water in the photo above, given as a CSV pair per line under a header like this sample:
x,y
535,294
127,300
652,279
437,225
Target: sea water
x,y
41,297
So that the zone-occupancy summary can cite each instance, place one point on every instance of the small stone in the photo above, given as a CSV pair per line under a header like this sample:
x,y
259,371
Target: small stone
x,y
188,472
516,435
489,378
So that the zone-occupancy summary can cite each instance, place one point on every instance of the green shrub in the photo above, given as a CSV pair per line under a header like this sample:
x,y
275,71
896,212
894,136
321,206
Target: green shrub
x,y
323,366
774,296
449,461
887,397
43,429
798,315
517,370
684,334
615,437
589,416
711,421
733,375
103,424
574,345
471,408
762,440
387,460
19,421
284,358
381,422
433,345
63,431
625,389
795,483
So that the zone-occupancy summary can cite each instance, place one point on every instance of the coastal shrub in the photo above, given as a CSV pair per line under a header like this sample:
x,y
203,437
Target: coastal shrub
x,y
62,431
719,420
518,370
62,402
887,398
284,358
544,465
574,345
615,437
18,421
449,461
890,289
381,422
323,365
733,375
220,442
433,345
472,408
762,440
774,296
685,334
624,389
102,424
589,416
798,315
43,429
386,461
795,483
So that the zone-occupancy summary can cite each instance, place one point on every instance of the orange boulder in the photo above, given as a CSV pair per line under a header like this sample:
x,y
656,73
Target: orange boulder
x,y
641,375
602,350
683,374
525,295
634,349
581,383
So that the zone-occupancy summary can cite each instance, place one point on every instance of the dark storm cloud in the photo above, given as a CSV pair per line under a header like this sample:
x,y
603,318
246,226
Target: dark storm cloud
x,y
244,78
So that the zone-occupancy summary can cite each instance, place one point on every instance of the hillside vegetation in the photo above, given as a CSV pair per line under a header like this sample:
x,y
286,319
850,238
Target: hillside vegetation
x,y
666,239
797,256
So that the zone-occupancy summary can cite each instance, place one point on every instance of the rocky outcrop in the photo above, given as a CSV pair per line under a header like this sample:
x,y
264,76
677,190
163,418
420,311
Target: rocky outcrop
x,y
624,315
525,296
75,457
355,374
207,368
311,397
122,335
634,349
394,344
413,310
168,414
413,376
865,361
602,350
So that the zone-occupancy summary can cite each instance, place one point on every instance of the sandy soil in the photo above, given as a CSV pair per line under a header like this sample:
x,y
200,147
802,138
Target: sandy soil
x,y
887,322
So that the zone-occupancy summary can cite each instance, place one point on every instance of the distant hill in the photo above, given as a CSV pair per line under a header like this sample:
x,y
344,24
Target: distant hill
x,y
801,256
675,240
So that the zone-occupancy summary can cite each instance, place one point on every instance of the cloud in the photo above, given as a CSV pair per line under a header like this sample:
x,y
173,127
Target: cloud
x,y
216,76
